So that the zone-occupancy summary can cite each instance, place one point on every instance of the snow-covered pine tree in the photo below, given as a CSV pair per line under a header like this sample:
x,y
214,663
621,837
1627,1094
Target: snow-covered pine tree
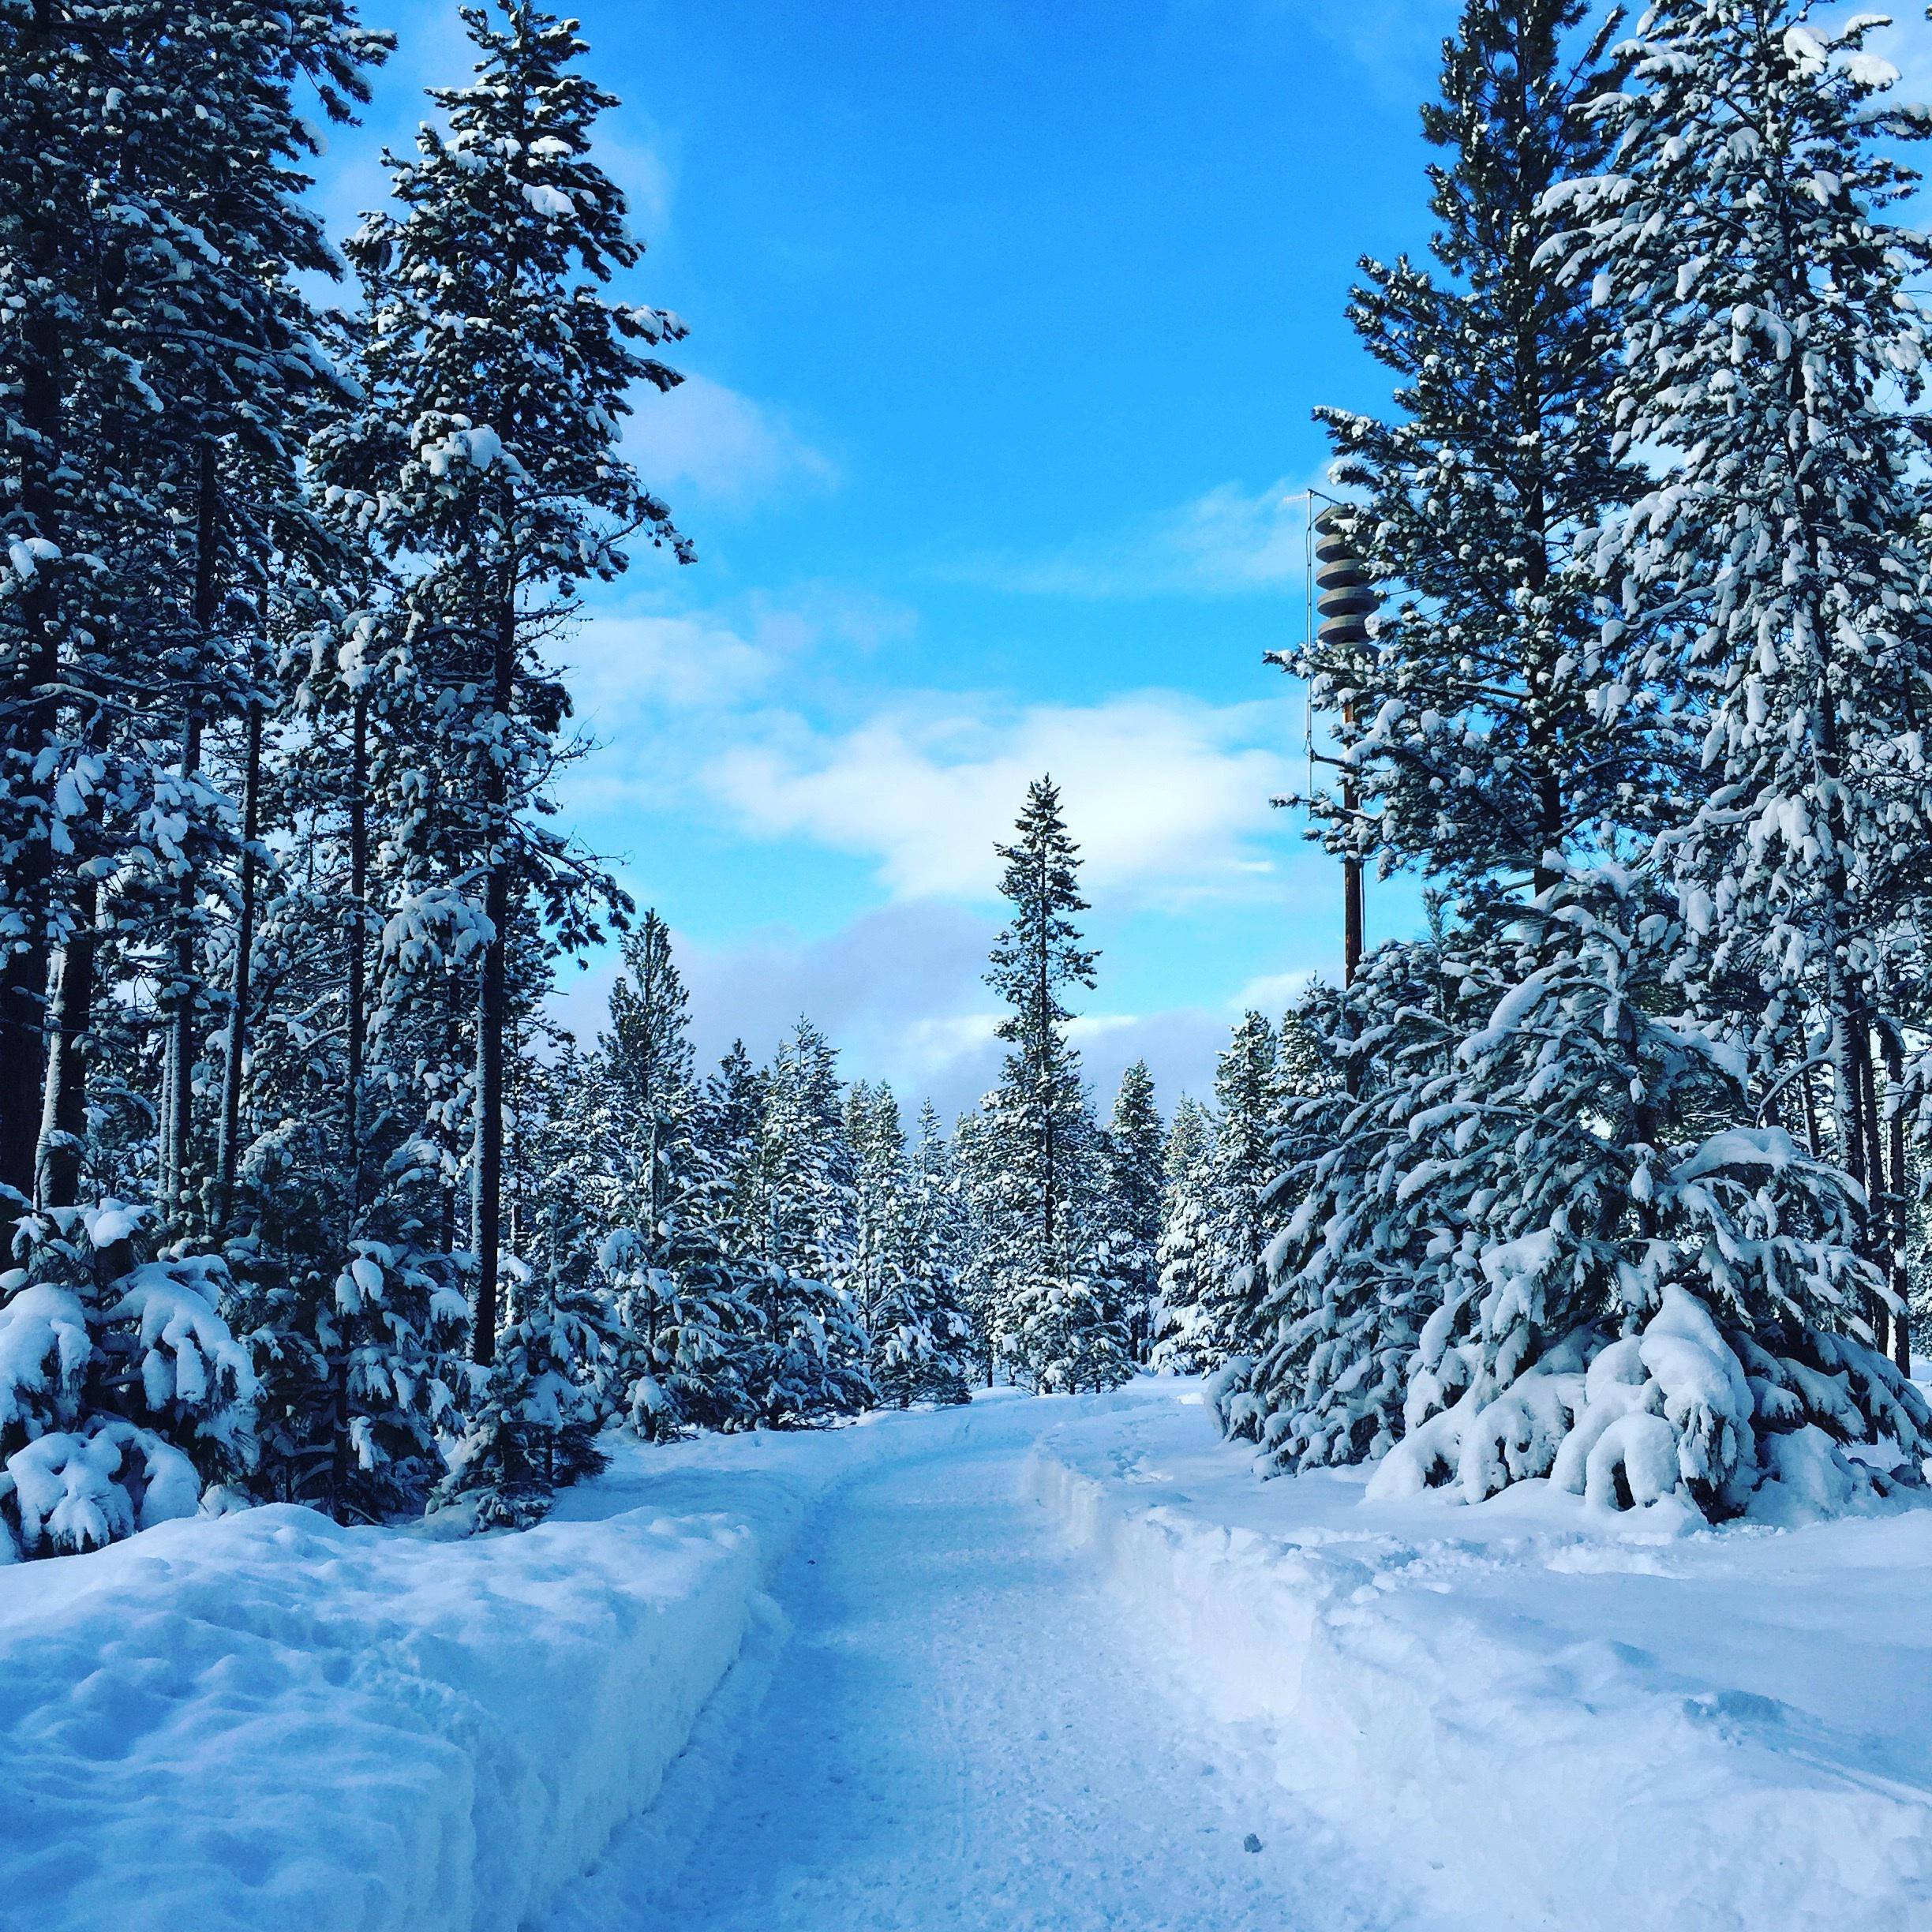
x,y
560,1370
807,1170
1060,1312
123,1394
1183,1252
1471,720
1135,1154
810,1362
1774,346
980,1196
1351,1286
155,354
934,1362
662,1194
1444,1280
500,372
917,1335
1240,1205
1657,1305
730,1110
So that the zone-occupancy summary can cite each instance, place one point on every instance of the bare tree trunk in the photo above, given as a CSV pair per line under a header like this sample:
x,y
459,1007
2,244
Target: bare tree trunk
x,y
178,1170
491,1013
63,1127
31,705
228,1153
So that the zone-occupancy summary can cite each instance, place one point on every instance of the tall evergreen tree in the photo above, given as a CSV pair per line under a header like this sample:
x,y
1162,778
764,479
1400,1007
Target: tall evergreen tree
x,y
1778,569
805,1231
1135,1151
1059,1310
905,1276
1241,1169
1473,725
1178,1345
500,374
1459,1274
154,357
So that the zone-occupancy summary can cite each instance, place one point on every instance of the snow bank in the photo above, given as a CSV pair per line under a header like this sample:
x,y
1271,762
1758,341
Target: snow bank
x,y
1539,1724
263,1721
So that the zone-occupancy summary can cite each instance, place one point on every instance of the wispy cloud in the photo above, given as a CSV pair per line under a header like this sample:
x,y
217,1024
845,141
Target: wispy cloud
x,y
655,689
1229,540
706,437
1168,794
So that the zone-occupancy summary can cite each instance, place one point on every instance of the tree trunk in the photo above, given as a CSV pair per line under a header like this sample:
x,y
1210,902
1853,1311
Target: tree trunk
x,y
357,1017
1880,1220
230,1152
178,1169
1811,1108
32,707
63,1133
1900,1200
491,1013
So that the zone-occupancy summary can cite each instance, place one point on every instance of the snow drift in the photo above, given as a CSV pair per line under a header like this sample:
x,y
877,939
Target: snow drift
x,y
1540,1715
264,1720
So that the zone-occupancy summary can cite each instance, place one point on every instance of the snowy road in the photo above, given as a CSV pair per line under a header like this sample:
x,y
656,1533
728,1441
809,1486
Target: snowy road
x,y
952,1725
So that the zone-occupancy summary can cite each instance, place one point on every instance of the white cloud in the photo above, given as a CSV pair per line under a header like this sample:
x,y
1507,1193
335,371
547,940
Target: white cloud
x,y
1227,540
1166,796
899,989
704,438
1272,994
624,664
656,690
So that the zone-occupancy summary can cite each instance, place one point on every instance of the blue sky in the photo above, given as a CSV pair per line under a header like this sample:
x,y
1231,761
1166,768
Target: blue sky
x,y
1007,323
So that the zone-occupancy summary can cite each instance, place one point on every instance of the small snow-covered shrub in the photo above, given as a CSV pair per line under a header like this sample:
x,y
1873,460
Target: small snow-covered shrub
x,y
122,1391
533,1422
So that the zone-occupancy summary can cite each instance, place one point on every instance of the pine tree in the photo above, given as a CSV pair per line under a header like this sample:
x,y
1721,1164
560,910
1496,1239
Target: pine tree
x,y
730,1111
123,1394
156,360
806,1233
1185,1230
1778,568
1038,954
1240,1208
808,1174
918,1336
499,373
1475,727
1058,1313
1136,1142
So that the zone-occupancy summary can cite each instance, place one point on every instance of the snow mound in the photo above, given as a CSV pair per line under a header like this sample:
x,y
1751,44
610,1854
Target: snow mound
x,y
1541,1716
264,1720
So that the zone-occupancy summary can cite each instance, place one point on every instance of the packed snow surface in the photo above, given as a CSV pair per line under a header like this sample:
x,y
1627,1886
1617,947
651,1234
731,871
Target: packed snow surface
x,y
1058,1663
1536,1712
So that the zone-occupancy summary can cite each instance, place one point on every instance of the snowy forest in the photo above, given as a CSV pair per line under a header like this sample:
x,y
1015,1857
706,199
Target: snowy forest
x,y
1465,1465
1611,1176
